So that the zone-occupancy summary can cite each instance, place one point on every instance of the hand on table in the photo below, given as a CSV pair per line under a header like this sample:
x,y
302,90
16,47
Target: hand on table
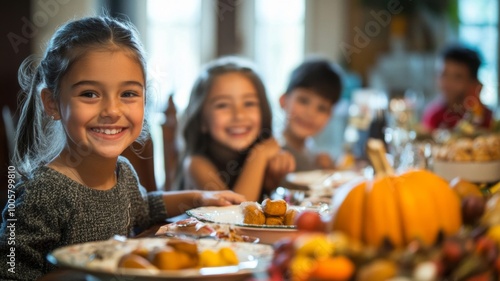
x,y
220,198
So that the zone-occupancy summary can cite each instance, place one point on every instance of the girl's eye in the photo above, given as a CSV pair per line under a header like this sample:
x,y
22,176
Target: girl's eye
x,y
129,94
251,103
89,94
221,105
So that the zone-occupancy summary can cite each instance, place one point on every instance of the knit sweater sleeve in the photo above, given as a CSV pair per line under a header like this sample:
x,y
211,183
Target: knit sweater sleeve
x,y
157,209
33,232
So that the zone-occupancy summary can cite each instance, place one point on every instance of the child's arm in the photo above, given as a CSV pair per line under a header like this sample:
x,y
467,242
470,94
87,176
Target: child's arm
x,y
179,202
251,179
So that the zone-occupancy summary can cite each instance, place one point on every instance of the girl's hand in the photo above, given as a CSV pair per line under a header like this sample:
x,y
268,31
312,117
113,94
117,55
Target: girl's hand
x,y
277,167
267,148
220,198
281,164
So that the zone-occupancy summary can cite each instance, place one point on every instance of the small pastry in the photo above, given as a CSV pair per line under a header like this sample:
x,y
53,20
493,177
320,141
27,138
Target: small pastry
x,y
276,208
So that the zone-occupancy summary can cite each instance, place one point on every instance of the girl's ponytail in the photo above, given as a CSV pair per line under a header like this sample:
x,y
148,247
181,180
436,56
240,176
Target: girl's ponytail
x,y
29,127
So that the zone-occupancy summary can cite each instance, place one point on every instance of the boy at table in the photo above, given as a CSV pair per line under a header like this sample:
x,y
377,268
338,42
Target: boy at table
x,y
313,89
460,89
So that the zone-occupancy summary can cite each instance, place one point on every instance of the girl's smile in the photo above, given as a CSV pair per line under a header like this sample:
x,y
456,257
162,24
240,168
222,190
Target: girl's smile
x,y
239,131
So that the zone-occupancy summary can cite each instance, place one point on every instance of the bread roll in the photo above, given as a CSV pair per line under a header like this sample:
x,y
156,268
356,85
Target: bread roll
x,y
274,220
275,208
252,213
290,216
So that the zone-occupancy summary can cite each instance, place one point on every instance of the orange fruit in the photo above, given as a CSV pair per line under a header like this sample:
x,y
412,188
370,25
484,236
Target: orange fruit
x,y
465,188
135,261
337,268
143,252
169,259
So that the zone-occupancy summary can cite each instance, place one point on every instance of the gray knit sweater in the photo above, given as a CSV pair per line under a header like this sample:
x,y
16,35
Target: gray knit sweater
x,y
52,211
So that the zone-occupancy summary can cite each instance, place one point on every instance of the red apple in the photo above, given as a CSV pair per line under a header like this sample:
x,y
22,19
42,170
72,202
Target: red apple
x,y
310,221
452,251
283,253
487,248
472,209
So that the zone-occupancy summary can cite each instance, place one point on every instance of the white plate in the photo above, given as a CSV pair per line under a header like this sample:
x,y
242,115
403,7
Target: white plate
x,y
101,259
318,180
480,172
267,234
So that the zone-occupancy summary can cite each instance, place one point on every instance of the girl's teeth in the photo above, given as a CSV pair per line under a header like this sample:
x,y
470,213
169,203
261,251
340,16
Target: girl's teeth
x,y
107,131
237,131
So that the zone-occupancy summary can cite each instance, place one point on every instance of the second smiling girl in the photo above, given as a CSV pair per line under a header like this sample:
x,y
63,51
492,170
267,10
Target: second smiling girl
x,y
229,143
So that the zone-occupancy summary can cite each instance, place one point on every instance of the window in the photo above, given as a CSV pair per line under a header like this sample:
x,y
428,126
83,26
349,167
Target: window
x,y
173,43
479,28
278,45
179,40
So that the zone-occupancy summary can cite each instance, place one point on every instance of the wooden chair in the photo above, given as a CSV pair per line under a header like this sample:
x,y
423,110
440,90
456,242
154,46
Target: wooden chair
x,y
144,163
170,149
141,157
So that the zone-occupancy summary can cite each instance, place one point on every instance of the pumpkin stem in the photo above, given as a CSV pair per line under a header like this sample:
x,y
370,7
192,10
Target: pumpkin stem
x,y
387,245
440,237
377,155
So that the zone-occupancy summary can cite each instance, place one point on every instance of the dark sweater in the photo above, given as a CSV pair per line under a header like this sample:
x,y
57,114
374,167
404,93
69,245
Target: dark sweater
x,y
52,210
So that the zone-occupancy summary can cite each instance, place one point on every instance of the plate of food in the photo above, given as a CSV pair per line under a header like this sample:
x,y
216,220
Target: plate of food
x,y
165,259
269,221
319,180
193,228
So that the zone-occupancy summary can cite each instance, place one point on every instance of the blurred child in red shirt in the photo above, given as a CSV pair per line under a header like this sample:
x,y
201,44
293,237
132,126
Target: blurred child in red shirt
x,y
460,89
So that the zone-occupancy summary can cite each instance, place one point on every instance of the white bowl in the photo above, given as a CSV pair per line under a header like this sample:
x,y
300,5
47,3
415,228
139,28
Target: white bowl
x,y
479,172
267,235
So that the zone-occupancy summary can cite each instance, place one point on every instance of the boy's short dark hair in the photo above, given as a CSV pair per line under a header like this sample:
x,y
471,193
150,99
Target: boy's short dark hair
x,y
463,55
318,75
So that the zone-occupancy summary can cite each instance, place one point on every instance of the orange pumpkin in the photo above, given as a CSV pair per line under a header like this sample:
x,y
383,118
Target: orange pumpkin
x,y
416,205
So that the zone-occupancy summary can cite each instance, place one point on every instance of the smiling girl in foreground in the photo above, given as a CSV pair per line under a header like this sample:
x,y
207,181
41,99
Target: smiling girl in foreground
x,y
229,143
75,186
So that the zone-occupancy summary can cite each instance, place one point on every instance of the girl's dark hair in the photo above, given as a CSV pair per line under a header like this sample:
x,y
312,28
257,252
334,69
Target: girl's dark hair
x,y
195,140
38,138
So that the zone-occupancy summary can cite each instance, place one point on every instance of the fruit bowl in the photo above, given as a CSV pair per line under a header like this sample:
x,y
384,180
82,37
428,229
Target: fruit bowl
x,y
480,172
